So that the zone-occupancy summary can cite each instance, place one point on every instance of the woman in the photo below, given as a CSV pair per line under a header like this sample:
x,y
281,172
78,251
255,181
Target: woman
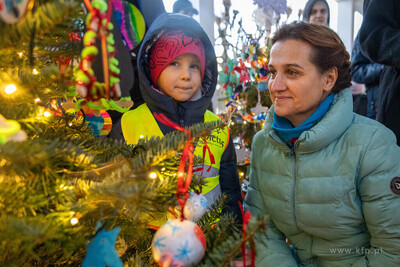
x,y
328,178
317,12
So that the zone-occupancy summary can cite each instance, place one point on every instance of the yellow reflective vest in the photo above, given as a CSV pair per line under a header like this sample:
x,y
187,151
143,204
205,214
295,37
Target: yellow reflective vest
x,y
140,123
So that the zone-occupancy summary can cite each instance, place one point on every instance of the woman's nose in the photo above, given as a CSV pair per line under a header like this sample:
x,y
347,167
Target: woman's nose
x,y
277,83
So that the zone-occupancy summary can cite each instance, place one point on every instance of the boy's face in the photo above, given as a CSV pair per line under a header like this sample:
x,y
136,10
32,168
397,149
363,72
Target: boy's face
x,y
181,79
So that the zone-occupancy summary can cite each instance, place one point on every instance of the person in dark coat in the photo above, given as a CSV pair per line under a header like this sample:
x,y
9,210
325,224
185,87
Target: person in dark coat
x,y
379,38
366,72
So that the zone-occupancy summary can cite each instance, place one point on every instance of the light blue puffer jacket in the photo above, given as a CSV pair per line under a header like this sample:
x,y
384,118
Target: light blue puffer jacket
x,y
333,198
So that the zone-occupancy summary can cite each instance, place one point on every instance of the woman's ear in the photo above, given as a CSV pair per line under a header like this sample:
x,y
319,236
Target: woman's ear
x,y
330,76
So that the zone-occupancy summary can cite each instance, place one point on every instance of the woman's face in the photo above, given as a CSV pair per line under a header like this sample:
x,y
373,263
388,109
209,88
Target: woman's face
x,y
296,86
319,14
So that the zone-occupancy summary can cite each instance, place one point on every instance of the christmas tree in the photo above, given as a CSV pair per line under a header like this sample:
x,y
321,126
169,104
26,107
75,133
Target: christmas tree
x,y
68,197
244,73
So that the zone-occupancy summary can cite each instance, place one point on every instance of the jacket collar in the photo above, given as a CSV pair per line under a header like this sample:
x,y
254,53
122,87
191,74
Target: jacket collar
x,y
331,127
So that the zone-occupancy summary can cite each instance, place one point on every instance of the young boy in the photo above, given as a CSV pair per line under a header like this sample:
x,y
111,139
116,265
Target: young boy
x,y
177,70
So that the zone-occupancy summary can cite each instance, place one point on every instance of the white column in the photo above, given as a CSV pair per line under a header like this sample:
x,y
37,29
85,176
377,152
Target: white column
x,y
345,24
206,19
206,16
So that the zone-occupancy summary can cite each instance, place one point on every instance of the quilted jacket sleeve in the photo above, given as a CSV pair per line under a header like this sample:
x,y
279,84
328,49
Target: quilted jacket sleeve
x,y
380,204
271,248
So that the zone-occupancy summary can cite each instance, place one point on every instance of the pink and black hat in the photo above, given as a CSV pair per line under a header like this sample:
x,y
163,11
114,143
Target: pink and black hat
x,y
168,47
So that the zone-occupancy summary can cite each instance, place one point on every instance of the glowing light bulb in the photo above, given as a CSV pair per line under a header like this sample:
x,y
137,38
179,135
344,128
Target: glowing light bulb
x,y
153,175
46,114
34,71
241,173
244,122
37,100
163,169
74,221
3,162
232,123
20,54
141,137
11,88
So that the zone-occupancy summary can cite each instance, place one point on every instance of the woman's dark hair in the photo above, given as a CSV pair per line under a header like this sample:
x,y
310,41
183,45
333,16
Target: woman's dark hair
x,y
308,7
328,49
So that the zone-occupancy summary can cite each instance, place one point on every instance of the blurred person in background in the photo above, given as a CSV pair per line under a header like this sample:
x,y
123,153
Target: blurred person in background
x,y
379,38
184,7
365,71
317,11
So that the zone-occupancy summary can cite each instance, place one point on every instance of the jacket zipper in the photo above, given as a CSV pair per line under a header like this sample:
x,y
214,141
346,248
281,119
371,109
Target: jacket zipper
x,y
294,185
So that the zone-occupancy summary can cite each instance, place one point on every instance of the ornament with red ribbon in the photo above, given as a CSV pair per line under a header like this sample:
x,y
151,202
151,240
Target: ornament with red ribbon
x,y
246,218
180,242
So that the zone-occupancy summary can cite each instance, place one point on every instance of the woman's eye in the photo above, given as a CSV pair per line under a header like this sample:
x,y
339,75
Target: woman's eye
x,y
272,74
173,63
292,73
195,66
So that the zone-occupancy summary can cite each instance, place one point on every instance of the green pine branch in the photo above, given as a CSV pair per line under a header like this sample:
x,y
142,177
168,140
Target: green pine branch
x,y
41,20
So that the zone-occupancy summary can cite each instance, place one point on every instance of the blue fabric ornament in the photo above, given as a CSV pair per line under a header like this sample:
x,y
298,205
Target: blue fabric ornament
x,y
101,250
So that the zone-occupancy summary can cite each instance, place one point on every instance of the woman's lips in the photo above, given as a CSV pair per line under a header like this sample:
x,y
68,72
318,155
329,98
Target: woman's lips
x,y
280,98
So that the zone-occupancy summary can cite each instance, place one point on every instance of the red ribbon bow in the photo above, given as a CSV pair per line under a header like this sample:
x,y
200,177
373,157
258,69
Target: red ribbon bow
x,y
246,218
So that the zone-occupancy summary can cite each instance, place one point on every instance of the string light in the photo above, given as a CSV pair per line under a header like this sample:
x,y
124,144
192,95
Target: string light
x,y
34,71
11,88
241,173
74,221
153,175
46,114
3,162
232,123
37,100
244,122
163,169
20,54
141,137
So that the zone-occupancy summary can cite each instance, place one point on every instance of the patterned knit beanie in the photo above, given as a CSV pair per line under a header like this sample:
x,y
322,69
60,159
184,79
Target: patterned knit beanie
x,y
168,47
